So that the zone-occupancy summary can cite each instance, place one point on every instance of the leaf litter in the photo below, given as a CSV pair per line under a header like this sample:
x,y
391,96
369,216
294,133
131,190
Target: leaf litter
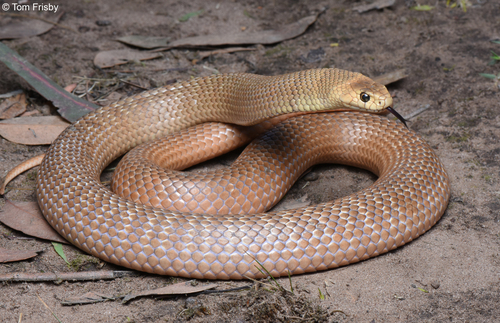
x,y
111,58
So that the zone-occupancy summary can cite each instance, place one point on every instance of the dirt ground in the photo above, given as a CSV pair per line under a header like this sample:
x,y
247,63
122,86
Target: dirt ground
x,y
449,274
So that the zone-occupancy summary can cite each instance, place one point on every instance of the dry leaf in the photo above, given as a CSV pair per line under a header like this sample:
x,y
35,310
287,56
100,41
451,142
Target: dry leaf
x,y
13,106
33,130
116,57
391,77
176,289
264,37
70,88
32,113
121,56
145,41
15,255
380,4
26,28
111,98
27,218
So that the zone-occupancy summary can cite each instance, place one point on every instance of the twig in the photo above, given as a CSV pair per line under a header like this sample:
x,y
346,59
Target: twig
x,y
256,281
226,290
417,112
41,300
136,85
39,18
10,94
80,276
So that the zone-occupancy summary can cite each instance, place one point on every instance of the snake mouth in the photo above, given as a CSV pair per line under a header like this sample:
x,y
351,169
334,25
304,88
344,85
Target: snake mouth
x,y
397,115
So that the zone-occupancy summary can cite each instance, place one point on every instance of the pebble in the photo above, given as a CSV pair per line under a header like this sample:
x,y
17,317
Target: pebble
x,y
311,176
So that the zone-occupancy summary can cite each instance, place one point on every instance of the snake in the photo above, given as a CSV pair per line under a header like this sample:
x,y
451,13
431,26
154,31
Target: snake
x,y
408,198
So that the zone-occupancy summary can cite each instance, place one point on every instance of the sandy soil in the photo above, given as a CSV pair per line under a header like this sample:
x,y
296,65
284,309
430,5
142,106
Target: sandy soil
x,y
449,274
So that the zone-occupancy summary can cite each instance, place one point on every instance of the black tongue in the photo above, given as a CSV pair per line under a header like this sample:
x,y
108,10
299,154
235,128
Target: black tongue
x,y
394,112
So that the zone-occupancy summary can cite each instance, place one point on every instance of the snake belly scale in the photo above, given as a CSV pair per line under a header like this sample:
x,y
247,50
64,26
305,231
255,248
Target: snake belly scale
x,y
409,197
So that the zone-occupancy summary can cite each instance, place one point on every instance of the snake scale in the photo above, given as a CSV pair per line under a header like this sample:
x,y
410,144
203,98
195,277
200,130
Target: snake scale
x,y
410,195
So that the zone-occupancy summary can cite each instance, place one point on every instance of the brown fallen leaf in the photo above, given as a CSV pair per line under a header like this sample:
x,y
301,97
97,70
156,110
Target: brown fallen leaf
x,y
15,255
145,42
26,28
27,218
70,88
391,77
111,98
32,113
116,57
380,4
176,289
121,56
13,106
264,37
33,130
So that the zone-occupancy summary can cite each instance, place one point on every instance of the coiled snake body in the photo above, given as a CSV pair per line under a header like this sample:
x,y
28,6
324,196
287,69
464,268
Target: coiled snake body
x,y
409,197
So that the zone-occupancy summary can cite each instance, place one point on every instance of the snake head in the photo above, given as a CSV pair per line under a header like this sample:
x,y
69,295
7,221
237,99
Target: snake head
x,y
362,93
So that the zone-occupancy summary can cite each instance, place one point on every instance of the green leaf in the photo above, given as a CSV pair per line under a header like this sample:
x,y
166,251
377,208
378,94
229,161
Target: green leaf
x,y
70,107
488,76
246,13
495,56
190,15
423,290
321,295
422,8
58,248
495,41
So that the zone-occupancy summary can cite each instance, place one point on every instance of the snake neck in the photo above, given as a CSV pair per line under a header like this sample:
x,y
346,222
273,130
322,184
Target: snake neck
x,y
239,98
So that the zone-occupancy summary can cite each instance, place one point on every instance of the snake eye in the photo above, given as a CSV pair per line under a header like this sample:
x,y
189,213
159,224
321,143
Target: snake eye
x,y
364,97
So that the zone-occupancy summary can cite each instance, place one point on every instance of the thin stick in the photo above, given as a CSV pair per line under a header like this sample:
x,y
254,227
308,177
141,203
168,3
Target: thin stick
x,y
226,290
79,276
41,300
417,112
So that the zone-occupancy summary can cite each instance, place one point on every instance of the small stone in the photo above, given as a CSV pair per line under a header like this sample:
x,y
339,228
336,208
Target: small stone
x,y
311,177
435,284
103,23
191,302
